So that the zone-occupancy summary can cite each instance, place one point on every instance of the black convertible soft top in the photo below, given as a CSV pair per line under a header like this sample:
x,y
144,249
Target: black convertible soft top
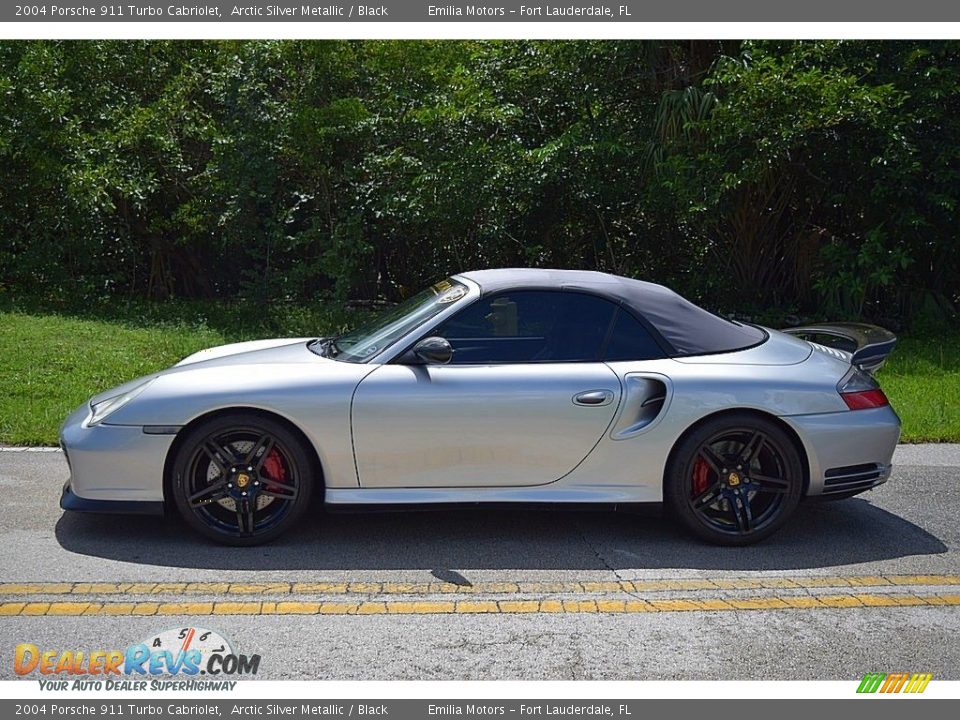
x,y
686,328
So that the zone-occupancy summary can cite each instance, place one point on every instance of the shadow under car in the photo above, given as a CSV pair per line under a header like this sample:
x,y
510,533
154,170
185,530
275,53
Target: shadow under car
x,y
820,535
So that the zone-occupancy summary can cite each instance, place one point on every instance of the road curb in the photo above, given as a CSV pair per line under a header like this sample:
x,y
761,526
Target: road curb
x,y
928,455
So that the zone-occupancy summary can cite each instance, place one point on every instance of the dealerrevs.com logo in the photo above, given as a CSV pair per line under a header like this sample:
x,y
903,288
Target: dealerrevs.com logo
x,y
911,683
188,652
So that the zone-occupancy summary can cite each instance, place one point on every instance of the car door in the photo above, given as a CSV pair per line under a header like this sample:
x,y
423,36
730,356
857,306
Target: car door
x,y
523,401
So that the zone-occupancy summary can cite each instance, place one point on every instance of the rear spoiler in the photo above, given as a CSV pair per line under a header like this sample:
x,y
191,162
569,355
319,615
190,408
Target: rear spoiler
x,y
868,345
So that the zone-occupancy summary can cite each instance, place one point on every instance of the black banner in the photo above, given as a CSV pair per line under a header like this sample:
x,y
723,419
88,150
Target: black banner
x,y
618,11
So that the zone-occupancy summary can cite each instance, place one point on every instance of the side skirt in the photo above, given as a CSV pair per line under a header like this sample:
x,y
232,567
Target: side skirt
x,y
550,495
644,509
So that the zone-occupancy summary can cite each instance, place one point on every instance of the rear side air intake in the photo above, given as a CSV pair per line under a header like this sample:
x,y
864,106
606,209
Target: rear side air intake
x,y
841,482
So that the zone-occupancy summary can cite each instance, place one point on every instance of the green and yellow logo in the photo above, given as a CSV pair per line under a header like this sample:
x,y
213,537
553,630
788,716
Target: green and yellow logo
x,y
894,682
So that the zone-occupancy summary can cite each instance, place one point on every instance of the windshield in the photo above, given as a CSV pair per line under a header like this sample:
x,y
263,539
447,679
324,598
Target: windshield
x,y
386,328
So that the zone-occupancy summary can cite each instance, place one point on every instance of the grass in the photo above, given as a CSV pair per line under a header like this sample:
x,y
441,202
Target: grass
x,y
52,359
922,380
52,364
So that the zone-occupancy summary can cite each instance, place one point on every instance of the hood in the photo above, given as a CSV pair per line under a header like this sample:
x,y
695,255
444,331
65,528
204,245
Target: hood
x,y
248,373
278,350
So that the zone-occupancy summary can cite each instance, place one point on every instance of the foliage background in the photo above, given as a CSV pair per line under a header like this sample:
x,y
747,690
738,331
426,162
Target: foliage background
x,y
815,178
160,197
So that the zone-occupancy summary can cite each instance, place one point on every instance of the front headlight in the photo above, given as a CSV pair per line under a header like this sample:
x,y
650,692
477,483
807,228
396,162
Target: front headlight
x,y
103,409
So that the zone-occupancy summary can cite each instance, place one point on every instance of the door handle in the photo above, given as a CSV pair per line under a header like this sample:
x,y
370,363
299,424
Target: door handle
x,y
593,397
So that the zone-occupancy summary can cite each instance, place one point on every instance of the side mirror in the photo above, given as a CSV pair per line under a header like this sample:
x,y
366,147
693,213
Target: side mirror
x,y
433,351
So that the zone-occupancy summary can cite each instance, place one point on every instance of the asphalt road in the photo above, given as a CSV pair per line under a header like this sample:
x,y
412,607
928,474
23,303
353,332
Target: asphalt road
x,y
867,584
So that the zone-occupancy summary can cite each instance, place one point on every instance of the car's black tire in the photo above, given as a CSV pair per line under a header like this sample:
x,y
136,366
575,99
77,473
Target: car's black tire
x,y
242,479
734,480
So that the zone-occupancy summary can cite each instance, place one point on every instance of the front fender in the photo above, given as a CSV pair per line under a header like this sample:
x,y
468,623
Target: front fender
x,y
316,399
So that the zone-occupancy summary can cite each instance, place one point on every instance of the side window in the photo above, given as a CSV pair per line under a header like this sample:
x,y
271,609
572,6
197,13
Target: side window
x,y
630,340
530,326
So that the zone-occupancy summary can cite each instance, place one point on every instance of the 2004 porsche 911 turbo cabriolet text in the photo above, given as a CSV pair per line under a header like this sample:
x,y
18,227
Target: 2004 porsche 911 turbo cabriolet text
x,y
548,386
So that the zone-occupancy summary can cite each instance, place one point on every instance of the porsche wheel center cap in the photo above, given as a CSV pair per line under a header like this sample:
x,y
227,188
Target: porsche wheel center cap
x,y
243,483
733,479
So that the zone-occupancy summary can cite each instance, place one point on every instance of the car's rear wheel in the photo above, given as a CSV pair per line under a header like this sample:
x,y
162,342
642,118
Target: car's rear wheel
x,y
242,479
734,480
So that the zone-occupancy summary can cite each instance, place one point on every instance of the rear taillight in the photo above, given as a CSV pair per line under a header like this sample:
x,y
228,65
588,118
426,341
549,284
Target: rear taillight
x,y
866,399
860,391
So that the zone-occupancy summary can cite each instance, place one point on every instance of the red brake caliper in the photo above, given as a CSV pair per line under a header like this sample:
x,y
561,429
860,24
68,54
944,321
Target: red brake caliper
x,y
273,468
700,477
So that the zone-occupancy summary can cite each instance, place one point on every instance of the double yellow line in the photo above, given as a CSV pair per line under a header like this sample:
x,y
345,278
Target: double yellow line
x,y
504,598
473,607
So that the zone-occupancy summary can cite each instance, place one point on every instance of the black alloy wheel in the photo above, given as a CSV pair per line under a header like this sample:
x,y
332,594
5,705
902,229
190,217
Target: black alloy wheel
x,y
735,480
242,479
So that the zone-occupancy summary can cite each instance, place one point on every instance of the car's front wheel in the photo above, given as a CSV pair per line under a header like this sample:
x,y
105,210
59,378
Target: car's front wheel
x,y
734,480
242,479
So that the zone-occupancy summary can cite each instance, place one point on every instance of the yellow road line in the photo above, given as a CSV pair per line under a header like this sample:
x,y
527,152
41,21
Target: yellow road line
x,y
479,588
470,607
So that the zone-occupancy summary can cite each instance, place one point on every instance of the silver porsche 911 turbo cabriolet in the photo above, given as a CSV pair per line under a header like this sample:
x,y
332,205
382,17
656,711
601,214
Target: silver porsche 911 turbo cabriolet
x,y
499,386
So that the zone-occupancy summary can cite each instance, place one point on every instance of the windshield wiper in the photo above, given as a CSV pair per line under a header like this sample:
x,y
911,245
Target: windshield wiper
x,y
326,347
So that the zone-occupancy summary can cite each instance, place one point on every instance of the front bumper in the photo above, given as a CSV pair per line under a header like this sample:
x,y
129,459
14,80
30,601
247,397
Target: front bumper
x,y
848,452
113,468
74,503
